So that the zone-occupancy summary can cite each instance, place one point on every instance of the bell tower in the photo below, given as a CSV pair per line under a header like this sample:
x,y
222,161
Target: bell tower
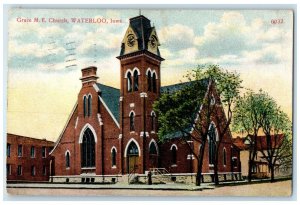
x,y
140,62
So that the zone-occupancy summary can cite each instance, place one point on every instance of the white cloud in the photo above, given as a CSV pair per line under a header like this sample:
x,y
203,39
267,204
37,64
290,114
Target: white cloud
x,y
176,36
255,42
19,29
32,49
101,41
50,31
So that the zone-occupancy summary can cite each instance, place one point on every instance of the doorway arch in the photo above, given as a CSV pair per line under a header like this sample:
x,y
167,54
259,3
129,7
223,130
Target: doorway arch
x,y
132,152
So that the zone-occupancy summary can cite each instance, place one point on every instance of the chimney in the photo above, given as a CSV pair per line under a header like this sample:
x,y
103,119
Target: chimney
x,y
89,75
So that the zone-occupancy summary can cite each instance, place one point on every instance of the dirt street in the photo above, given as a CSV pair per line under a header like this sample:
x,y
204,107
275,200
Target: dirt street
x,y
282,188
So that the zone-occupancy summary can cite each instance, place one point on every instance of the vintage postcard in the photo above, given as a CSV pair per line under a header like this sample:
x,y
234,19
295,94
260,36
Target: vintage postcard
x,y
149,102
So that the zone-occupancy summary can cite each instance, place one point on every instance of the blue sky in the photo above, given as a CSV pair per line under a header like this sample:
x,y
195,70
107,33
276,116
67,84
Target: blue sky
x,y
242,40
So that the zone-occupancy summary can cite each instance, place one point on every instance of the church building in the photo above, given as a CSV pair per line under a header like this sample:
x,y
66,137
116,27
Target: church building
x,y
112,133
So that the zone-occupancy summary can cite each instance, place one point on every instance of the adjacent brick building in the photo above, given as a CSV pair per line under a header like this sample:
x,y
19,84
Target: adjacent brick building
x,y
27,159
113,132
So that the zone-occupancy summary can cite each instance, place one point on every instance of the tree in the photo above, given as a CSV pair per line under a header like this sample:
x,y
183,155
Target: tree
x,y
255,112
228,85
189,109
277,129
246,119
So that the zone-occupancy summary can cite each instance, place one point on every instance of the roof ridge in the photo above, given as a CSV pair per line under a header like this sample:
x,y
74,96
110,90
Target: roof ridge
x,y
108,86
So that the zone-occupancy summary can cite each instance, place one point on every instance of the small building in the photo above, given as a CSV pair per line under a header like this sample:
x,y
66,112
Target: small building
x,y
27,159
260,168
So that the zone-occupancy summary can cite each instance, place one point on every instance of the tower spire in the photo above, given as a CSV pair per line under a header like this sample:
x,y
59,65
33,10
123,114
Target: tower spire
x,y
140,12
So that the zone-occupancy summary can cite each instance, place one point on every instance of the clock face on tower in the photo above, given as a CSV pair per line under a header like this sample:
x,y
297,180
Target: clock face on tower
x,y
153,41
130,40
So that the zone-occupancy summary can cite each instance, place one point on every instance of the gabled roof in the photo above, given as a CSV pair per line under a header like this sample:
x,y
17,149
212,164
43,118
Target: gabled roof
x,y
261,144
111,97
175,87
276,141
240,143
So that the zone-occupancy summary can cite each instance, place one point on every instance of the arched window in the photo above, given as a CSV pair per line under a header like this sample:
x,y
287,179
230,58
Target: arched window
x,y
67,159
154,82
153,121
132,149
113,157
174,154
129,82
88,149
136,80
84,106
212,138
149,80
224,157
131,116
89,105
152,149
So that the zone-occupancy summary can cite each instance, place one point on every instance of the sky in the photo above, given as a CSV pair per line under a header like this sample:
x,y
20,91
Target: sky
x,y
45,58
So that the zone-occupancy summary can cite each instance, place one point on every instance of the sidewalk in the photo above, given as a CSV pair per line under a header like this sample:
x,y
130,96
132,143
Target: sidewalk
x,y
171,186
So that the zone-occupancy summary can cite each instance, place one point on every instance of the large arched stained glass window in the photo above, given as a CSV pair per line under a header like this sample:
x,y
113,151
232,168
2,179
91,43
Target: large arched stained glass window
x,y
136,80
129,82
88,149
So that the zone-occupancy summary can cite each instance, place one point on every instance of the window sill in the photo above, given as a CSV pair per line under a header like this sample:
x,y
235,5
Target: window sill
x,y
174,165
67,168
153,132
114,167
88,168
211,165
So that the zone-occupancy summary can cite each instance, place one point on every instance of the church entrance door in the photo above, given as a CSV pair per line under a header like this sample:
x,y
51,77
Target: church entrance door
x,y
132,158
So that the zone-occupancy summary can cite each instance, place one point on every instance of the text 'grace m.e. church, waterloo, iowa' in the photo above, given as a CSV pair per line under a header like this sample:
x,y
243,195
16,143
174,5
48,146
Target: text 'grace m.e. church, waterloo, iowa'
x,y
111,134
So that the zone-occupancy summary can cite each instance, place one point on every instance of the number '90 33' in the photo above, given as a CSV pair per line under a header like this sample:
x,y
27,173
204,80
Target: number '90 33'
x,y
277,21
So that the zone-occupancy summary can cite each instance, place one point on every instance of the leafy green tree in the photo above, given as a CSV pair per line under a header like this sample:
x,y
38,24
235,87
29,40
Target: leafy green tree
x,y
189,109
255,112
247,119
277,128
